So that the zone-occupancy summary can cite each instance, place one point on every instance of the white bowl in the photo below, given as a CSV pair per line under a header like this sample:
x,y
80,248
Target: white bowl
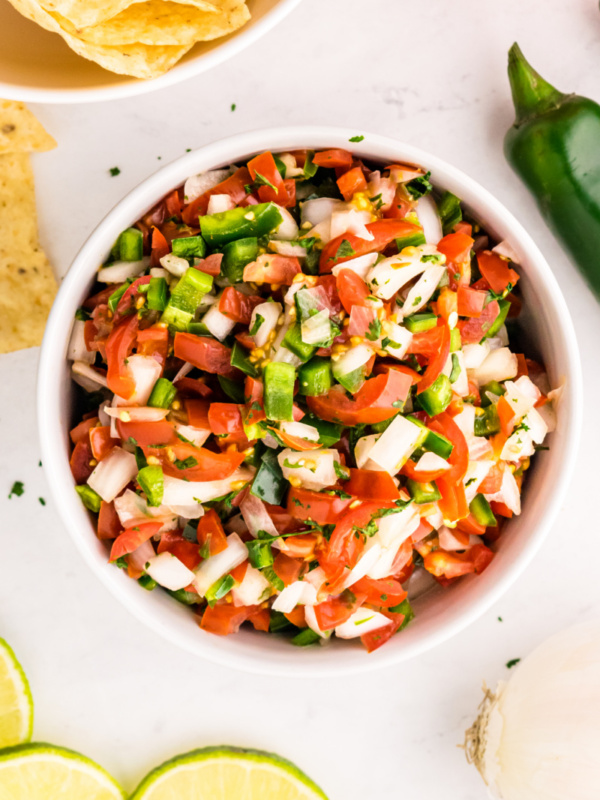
x,y
37,66
440,613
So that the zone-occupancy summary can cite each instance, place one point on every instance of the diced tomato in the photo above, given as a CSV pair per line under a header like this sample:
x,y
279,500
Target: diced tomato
x,y
352,290
238,306
302,546
383,593
422,476
119,345
81,432
492,482
351,182
367,484
336,610
147,434
374,402
253,390
100,298
457,249
401,205
132,538
264,170
296,442
205,465
453,502
288,569
322,508
496,271
211,265
447,304
225,618
506,415
160,247
80,461
480,556
197,411
109,524
173,203
225,418
375,639
272,268
101,441
383,231
447,565
297,617
261,619
362,320
381,367
468,527
523,369
459,457
154,341
333,158
501,509
210,533
127,302
187,552
470,302
205,353
234,186
473,330
193,386
344,547
247,341
437,361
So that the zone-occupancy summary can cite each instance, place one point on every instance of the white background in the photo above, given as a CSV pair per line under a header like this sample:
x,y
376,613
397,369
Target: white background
x,y
431,73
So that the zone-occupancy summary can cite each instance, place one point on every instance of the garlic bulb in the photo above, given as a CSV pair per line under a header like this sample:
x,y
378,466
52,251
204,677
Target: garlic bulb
x,y
538,736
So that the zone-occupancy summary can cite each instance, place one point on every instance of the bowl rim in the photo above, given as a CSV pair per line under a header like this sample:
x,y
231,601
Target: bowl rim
x,y
78,278
129,86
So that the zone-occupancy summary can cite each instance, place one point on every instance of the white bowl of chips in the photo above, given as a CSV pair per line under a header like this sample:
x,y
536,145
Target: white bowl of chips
x,y
68,51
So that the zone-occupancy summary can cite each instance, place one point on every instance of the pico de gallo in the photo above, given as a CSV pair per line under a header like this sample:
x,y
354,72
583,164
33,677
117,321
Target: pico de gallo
x,y
299,404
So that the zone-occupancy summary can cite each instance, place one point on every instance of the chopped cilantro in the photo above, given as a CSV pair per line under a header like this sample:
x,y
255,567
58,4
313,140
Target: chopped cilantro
x,y
260,180
233,106
341,471
512,663
17,490
114,171
41,501
345,250
255,327
419,187
187,463
356,138
374,331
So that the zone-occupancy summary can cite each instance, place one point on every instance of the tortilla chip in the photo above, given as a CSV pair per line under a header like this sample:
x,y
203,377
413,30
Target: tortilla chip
x,y
137,60
20,131
83,13
162,22
27,285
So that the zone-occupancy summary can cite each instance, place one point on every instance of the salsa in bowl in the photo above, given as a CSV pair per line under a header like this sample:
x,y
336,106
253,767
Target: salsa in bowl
x,y
304,406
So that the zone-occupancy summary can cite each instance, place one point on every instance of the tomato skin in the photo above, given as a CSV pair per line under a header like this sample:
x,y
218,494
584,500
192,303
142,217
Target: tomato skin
x,y
343,548
352,290
453,503
301,546
457,249
446,565
470,527
154,341
160,247
295,442
238,306
197,412
209,466
80,461
297,617
225,418
147,433
470,302
383,593
287,568
473,330
187,552
193,386
496,271
205,353
372,403
501,509
101,441
263,166
383,231
225,618
324,509
376,639
119,345
492,482
127,302
81,432
401,205
234,186
132,538
272,268
409,469
438,361
333,158
336,610
261,619
459,457
210,533
351,182
109,524
366,484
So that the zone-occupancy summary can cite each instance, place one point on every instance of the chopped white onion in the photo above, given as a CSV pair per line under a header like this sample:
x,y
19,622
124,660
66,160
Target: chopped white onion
x,y
429,218
519,402
121,271
508,493
431,462
362,452
136,413
175,265
475,354
346,219
505,249
360,265
256,516
168,571
287,249
113,473
421,292
199,184
196,436
214,567
253,589
363,621
217,323
389,276
178,492
499,365
366,562
145,371
318,210
300,430
270,313
87,377
288,228
311,621
77,350
395,445
398,335
134,510
316,329
292,170
315,469
217,203
298,592
476,472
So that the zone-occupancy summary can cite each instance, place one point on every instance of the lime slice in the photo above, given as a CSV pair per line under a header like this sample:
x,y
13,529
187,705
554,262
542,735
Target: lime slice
x,y
44,772
225,773
16,703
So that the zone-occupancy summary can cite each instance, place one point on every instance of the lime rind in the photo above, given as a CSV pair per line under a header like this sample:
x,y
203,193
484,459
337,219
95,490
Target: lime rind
x,y
23,689
224,753
37,750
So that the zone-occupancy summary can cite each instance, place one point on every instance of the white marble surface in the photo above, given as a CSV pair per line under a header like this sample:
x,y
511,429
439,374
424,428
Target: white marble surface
x,y
431,73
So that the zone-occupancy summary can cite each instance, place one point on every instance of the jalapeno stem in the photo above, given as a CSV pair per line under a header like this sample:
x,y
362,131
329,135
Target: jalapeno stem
x,y
532,95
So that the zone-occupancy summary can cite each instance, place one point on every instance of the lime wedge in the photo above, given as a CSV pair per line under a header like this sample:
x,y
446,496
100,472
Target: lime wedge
x,y
44,772
16,703
227,773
